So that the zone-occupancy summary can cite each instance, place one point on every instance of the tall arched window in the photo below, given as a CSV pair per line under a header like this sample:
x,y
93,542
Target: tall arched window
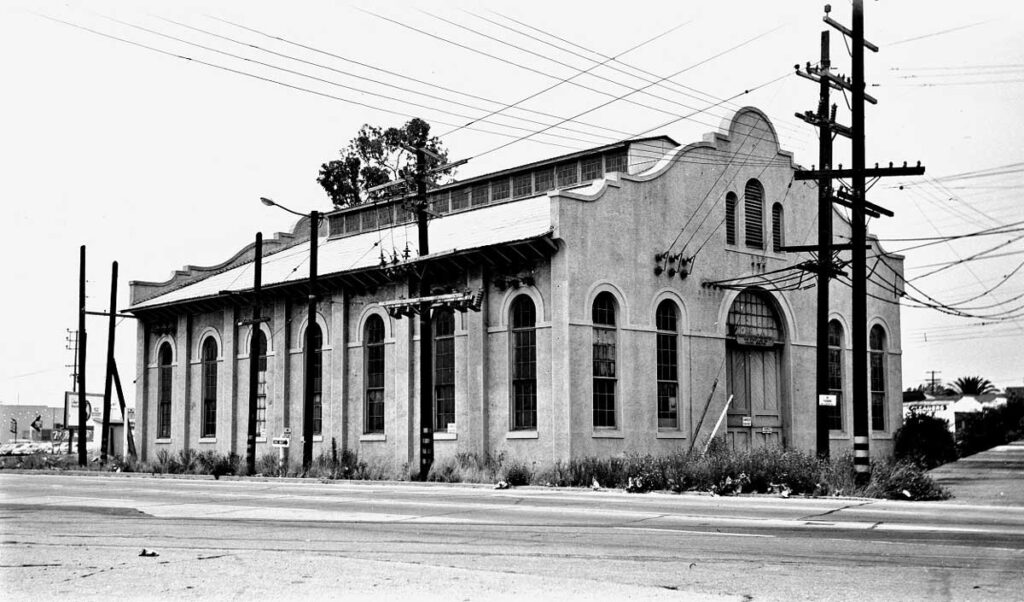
x,y
753,214
876,344
524,364
209,360
835,374
444,369
730,218
317,337
666,321
604,360
373,349
778,230
164,384
261,383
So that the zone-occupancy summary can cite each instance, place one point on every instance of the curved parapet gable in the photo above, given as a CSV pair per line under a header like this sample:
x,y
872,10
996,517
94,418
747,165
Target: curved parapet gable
x,y
142,290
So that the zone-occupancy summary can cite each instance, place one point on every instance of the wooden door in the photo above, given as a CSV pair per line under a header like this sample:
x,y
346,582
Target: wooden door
x,y
755,415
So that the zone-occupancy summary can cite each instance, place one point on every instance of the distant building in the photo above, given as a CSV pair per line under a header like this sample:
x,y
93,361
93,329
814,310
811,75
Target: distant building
x,y
562,330
20,424
953,408
17,422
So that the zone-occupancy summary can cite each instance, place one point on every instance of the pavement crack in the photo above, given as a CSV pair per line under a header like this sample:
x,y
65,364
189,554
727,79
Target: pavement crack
x,y
833,511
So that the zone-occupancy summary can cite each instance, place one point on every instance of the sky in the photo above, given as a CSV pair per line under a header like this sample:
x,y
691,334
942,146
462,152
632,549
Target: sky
x,y
153,149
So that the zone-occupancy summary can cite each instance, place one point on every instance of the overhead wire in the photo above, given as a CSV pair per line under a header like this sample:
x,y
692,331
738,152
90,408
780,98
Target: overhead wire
x,y
679,88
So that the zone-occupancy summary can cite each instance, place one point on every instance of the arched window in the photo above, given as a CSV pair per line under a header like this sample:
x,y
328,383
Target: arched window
x,y
373,349
778,230
444,369
524,363
261,383
876,344
668,365
835,374
209,361
604,360
317,338
164,383
730,218
753,214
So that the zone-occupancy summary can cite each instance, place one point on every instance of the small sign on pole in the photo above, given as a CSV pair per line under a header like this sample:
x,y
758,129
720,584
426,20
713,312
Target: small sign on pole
x,y
827,400
279,441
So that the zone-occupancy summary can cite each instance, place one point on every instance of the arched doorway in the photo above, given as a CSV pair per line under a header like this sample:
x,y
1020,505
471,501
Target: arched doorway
x,y
754,344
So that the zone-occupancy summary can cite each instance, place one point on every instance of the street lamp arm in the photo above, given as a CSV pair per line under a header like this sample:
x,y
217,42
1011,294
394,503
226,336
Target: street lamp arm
x,y
272,203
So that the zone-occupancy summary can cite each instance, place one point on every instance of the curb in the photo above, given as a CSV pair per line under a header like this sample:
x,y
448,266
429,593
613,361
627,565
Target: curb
x,y
427,484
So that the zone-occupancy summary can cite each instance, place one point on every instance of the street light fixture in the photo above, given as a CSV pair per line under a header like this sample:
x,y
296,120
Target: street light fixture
x,y
307,400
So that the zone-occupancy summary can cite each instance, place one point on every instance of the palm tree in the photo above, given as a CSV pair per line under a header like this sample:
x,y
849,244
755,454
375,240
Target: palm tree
x,y
973,385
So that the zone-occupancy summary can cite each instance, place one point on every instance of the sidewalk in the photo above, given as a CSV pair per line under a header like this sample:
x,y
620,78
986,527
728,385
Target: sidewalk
x,y
992,477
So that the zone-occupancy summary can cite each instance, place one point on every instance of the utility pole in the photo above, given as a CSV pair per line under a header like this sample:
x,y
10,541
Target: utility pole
x,y
104,438
860,208
824,249
933,380
254,359
861,451
426,349
71,344
419,290
307,400
82,455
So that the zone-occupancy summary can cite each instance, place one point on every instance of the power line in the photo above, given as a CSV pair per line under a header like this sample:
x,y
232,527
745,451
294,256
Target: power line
x,y
679,88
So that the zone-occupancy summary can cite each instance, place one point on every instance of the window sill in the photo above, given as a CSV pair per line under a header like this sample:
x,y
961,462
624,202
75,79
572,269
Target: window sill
x,y
373,437
671,435
261,439
207,439
522,435
163,441
616,434
318,438
445,436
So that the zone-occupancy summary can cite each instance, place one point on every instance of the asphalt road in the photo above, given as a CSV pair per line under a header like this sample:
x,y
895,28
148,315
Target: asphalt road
x,y
80,537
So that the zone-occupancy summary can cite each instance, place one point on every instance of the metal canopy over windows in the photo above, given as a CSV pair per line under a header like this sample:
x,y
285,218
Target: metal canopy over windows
x,y
752,320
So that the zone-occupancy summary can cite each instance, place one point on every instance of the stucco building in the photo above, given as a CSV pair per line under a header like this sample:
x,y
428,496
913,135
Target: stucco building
x,y
605,301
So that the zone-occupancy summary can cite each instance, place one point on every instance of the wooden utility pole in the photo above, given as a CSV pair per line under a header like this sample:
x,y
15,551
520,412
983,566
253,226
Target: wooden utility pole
x,y
254,356
105,437
858,272
857,201
421,300
82,454
309,355
426,340
824,248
